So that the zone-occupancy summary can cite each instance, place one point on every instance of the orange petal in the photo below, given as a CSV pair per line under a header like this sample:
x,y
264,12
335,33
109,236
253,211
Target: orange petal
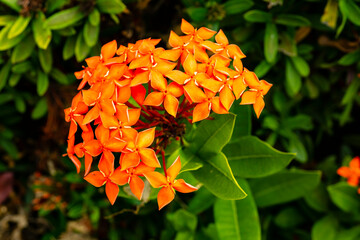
x,y
123,94
122,112
134,115
141,62
239,87
178,76
154,99
88,162
112,191
90,96
95,178
145,138
264,87
107,90
355,163
200,54
208,83
234,51
155,179
217,107
93,114
165,196
108,106
172,54
195,94
73,128
138,93
171,104
344,172
109,50
137,186
226,97
238,65
128,160
186,27
353,181
190,65
79,150
163,66
251,79
106,163
221,38
249,97
174,169
92,62
181,186
108,121
75,161
102,134
81,108
115,144
142,168
149,158
211,46
259,105
205,33
119,177
201,111
158,81
175,40
94,148
141,78
175,89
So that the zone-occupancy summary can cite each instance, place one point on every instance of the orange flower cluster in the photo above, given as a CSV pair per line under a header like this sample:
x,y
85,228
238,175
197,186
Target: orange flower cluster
x,y
185,81
352,173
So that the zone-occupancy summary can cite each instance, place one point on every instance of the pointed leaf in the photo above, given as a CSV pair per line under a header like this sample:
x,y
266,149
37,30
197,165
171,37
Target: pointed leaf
x,y
293,80
4,74
345,197
18,26
257,16
5,42
235,6
42,83
82,50
111,6
46,59
91,34
351,10
42,34
325,228
94,17
40,109
271,42
69,47
65,18
301,66
22,51
292,20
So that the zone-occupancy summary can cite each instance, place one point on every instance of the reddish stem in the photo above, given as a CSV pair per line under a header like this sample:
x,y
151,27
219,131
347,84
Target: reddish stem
x,y
163,162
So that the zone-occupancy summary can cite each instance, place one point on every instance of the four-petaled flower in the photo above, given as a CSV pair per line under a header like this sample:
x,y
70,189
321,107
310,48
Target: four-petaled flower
x,y
352,173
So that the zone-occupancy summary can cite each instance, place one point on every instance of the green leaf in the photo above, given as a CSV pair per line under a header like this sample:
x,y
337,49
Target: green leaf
x,y
5,42
69,47
292,79
257,16
75,211
262,69
349,234
212,135
325,228
94,17
13,4
301,66
271,42
345,197
283,187
351,10
249,157
318,199
197,14
5,97
111,6
55,5
216,176
6,19
4,74
296,146
20,104
288,218
242,121
202,200
9,147
300,121
189,161
42,83
82,50
18,26
287,44
59,76
22,67
91,34
237,219
46,59
235,6
40,109
292,20
23,50
65,18
351,92
42,34
341,27
330,15
350,58
183,220
14,79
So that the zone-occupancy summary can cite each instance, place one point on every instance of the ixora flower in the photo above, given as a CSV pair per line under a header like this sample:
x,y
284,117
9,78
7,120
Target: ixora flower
x,y
133,101
352,173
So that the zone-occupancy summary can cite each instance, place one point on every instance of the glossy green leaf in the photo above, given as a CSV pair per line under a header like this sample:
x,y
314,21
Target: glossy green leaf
x,y
183,220
242,121
325,228
288,218
22,67
5,42
262,68
197,14
301,66
237,219
351,10
257,16
6,19
23,50
217,177
318,199
235,6
271,42
249,157
283,187
4,74
67,32
345,197
351,91
350,58
82,50
349,234
46,59
189,161
65,18
42,34
59,76
292,20
91,34
42,83
94,17
297,146
202,200
18,26
69,47
292,79
20,104
300,121
212,135
14,79
110,6
40,109
13,4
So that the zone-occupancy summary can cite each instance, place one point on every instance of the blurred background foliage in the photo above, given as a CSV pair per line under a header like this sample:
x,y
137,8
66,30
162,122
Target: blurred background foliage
x,y
310,52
